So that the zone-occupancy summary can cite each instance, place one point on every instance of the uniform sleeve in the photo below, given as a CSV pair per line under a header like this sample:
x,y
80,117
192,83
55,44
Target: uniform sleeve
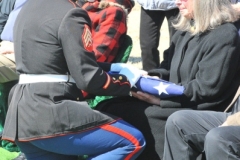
x,y
216,70
107,34
76,40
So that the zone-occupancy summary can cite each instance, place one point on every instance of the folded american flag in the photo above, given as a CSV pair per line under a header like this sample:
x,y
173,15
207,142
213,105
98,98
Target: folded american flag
x,y
158,87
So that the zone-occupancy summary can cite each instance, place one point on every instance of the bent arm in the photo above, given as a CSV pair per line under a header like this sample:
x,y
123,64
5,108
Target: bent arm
x,y
75,38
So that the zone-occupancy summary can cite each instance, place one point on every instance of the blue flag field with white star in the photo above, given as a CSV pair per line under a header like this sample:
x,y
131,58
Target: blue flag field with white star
x,y
158,87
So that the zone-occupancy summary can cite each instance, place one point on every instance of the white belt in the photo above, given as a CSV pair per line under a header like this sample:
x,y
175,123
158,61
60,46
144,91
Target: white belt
x,y
38,78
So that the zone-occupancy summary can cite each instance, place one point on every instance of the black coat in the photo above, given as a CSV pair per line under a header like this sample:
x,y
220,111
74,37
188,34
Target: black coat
x,y
207,65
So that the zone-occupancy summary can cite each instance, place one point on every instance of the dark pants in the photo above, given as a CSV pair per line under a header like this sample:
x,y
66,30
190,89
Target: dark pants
x,y
150,24
149,119
189,133
114,141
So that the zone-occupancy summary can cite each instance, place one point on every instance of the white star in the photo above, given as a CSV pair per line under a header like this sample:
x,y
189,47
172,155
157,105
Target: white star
x,y
161,88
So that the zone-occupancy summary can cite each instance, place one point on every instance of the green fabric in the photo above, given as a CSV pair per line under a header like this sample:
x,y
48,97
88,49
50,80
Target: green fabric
x,y
83,157
124,51
93,102
122,57
6,155
11,147
4,91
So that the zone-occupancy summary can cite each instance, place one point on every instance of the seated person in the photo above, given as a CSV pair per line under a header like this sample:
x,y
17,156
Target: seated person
x,y
109,26
203,58
189,133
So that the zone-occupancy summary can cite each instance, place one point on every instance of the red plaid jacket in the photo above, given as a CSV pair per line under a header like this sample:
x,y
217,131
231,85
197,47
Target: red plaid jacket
x,y
108,28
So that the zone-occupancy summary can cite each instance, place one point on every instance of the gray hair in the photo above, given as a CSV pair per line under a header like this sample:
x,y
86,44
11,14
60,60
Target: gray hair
x,y
208,14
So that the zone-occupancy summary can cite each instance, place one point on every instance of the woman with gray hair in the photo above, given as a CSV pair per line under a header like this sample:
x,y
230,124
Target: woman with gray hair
x,y
189,133
203,58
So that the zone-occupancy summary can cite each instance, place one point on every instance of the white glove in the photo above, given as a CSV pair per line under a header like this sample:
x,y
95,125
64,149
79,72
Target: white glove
x,y
133,74
117,67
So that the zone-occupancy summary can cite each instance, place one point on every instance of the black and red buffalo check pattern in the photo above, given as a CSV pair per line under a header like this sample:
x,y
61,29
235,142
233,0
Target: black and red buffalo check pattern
x,y
108,27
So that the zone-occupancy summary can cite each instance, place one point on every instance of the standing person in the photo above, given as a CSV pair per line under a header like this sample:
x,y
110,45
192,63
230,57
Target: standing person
x,y
151,20
203,58
48,117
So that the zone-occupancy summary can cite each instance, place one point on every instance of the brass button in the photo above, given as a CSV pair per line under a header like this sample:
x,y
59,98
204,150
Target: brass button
x,y
120,78
78,99
114,78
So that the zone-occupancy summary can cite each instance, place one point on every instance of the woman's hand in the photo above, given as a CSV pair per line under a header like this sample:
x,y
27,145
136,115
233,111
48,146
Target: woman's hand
x,y
146,97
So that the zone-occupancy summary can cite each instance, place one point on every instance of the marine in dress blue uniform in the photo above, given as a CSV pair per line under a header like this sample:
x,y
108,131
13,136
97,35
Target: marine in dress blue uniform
x,y
53,48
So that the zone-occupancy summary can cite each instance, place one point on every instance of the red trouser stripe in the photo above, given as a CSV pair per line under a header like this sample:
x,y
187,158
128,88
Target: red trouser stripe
x,y
125,135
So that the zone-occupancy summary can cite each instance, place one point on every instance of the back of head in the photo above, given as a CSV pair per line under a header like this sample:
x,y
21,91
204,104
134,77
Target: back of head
x,y
128,4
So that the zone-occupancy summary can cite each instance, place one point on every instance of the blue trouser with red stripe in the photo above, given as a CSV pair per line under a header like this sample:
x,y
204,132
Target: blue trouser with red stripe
x,y
116,141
